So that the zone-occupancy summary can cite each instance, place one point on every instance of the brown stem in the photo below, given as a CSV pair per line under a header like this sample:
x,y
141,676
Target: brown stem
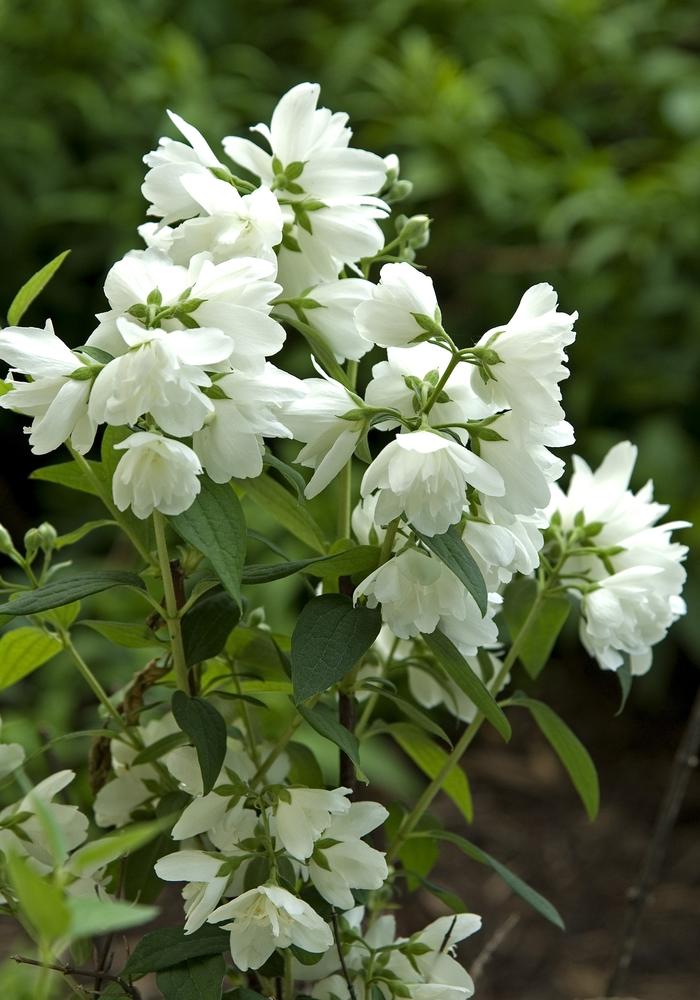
x,y
685,761
492,945
346,717
70,970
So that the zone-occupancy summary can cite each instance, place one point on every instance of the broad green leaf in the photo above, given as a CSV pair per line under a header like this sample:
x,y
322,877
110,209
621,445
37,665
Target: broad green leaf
x,y
418,855
254,648
63,616
30,289
324,721
329,638
520,888
23,650
70,475
92,916
457,668
265,492
127,634
543,626
304,769
40,900
207,730
451,550
361,559
207,626
195,979
430,758
570,750
170,946
97,853
74,536
56,593
215,525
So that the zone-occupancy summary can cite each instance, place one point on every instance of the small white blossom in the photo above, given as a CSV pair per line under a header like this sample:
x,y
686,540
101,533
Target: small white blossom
x,y
266,918
156,473
335,317
300,821
389,317
32,836
337,868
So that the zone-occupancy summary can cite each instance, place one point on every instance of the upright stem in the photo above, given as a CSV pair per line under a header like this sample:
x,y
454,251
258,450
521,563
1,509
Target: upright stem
x,y
432,398
172,612
452,761
93,683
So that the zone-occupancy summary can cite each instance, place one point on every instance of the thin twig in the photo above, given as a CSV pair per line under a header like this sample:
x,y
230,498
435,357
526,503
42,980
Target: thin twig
x,y
685,761
346,717
70,970
492,946
341,956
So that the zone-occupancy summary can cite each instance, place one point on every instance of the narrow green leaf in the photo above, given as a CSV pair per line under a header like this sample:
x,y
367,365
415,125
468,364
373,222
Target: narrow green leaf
x,y
450,548
195,979
360,559
70,475
41,901
430,758
324,721
412,712
155,751
30,289
457,668
329,638
537,645
170,946
23,650
97,853
520,888
207,626
293,477
56,593
215,525
570,750
207,730
265,492
103,916
74,536
126,634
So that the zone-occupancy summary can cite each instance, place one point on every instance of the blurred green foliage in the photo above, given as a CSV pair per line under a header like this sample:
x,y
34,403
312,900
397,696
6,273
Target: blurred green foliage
x,y
550,140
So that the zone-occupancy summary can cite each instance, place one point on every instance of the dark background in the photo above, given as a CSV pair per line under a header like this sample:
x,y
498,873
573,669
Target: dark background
x,y
552,140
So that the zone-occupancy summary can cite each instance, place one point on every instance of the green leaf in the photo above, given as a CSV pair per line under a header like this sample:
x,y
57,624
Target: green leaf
x,y
155,751
411,711
215,525
457,668
329,638
74,536
195,979
40,900
304,769
88,858
30,289
294,478
23,650
207,626
170,946
543,627
360,559
452,551
56,593
103,916
126,634
568,747
520,888
430,758
323,720
285,509
70,475
207,730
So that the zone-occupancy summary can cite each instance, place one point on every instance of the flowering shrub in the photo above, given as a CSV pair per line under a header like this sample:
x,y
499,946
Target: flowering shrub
x,y
459,562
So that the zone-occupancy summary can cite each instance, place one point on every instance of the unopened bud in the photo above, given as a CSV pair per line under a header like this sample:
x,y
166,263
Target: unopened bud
x,y
32,543
393,167
416,231
47,535
6,545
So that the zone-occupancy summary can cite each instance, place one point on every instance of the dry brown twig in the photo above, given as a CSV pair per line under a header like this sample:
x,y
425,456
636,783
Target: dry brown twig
x,y
492,945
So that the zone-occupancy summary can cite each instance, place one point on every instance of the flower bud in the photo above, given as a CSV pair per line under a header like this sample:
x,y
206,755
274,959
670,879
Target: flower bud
x,y
416,231
6,545
47,536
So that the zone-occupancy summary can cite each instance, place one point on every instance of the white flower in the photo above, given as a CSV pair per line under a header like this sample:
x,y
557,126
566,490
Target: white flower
x,y
417,592
389,317
266,918
168,164
205,885
227,224
335,320
328,188
336,868
531,351
162,374
300,821
500,550
57,402
33,837
330,440
528,469
426,363
12,756
230,444
156,473
443,977
425,475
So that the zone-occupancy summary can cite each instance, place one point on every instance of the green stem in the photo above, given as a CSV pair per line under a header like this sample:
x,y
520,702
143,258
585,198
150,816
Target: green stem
x,y
107,501
388,543
432,398
172,612
277,749
93,683
453,760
